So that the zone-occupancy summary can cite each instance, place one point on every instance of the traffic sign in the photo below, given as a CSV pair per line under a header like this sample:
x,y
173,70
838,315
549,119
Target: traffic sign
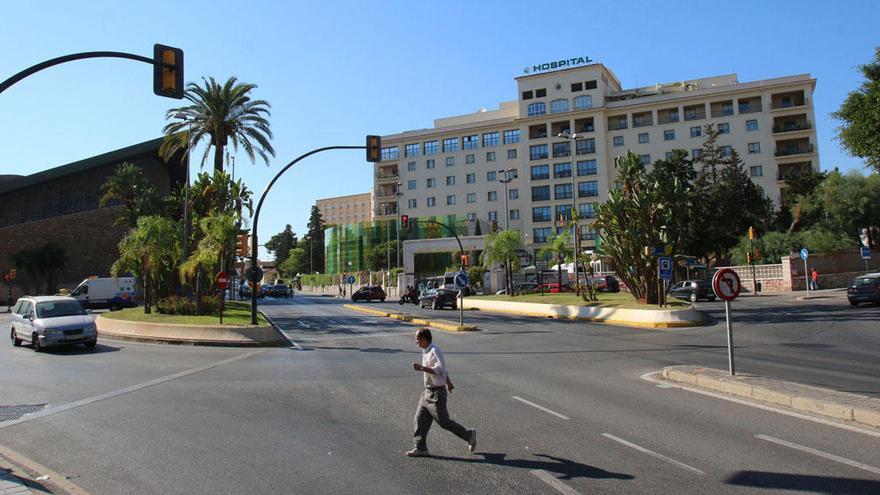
x,y
804,254
255,275
665,266
350,279
726,284
690,262
221,281
658,250
461,279
866,253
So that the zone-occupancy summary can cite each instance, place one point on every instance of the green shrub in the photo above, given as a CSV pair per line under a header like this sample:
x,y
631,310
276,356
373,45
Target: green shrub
x,y
174,305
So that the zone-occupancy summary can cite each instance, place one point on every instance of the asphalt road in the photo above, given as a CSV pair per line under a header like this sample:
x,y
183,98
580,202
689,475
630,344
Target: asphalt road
x,y
560,408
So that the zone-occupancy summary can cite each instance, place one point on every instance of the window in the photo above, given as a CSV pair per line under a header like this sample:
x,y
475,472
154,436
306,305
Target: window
x,y
412,150
696,153
432,201
490,156
540,172
588,189
586,167
491,176
450,180
557,106
583,102
429,163
561,149
754,148
450,161
527,95
724,128
587,210
411,185
541,234
471,197
493,216
514,214
590,84
469,158
511,136
643,138
471,178
562,191
645,159
472,217
411,166
696,131
450,200
469,142
668,155
513,194
585,146
511,154
540,93
411,203
727,151
492,196
431,147
538,152
575,87
756,171
618,140
390,153
588,233
540,193
537,109
450,145
490,139
430,182
727,108
541,214
669,134
751,125
561,170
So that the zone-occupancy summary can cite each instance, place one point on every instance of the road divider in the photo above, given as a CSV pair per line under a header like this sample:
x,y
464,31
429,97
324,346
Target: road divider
x,y
406,318
217,335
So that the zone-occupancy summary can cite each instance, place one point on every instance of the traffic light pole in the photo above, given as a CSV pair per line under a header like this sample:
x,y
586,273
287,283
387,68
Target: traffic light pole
x,y
461,266
260,206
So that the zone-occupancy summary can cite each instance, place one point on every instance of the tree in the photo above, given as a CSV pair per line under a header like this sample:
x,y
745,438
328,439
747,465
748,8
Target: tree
x,y
860,113
129,187
42,265
218,114
297,262
558,247
674,179
316,235
281,244
377,257
217,229
503,247
151,252
847,203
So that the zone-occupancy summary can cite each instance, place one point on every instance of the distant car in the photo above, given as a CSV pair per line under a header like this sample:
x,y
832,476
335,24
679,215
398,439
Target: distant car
x,y
864,289
606,283
439,298
244,292
522,287
692,290
553,288
368,293
46,321
279,290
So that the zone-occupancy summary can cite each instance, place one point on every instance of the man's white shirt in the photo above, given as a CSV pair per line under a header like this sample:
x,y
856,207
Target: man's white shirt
x,y
432,357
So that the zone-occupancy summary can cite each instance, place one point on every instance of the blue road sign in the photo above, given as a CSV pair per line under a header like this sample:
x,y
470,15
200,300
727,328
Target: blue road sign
x,y
658,250
665,265
350,279
461,279
866,253
804,254
690,262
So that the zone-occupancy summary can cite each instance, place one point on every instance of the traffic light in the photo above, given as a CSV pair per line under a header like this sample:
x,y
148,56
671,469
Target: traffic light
x,y
749,257
241,245
404,222
465,260
751,233
494,226
374,149
167,71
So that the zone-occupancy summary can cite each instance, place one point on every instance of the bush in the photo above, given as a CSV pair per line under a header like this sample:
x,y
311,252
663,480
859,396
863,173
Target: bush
x,y
175,305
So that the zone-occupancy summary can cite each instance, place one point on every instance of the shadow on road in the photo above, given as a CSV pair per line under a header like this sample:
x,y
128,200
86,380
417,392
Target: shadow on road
x,y
567,468
803,482
77,350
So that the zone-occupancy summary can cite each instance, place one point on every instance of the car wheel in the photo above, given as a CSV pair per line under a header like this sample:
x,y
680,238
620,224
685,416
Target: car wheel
x,y
382,300
35,343
15,340
851,303
693,297
114,307
91,344
434,305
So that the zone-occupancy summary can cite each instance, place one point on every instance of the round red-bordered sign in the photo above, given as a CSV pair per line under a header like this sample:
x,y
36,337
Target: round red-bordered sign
x,y
726,284
221,281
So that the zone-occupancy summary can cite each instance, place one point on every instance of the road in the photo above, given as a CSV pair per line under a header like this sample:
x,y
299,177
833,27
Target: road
x,y
560,408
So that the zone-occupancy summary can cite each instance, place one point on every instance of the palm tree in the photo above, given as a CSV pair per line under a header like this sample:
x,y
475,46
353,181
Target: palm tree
x,y
503,247
217,115
558,247
149,251
128,186
214,247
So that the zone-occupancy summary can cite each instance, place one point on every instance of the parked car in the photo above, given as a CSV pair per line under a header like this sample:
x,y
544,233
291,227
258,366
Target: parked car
x,y
439,298
864,289
554,288
244,291
46,321
692,290
521,288
606,283
110,293
368,293
279,290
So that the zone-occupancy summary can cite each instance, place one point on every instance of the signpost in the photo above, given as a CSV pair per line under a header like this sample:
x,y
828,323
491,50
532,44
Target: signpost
x,y
664,269
727,287
221,281
866,255
350,281
461,281
804,255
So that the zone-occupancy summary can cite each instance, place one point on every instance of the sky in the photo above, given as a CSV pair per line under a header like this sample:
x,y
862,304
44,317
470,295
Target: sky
x,y
335,71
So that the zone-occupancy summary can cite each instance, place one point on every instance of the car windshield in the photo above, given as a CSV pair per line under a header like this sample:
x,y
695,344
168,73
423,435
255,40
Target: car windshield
x,y
54,309
864,281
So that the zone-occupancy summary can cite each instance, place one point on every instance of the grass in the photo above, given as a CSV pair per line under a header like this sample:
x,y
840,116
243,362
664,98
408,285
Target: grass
x,y
236,313
606,300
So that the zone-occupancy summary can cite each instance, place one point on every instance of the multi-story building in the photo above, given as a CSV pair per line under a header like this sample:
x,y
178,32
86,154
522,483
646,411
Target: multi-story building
x,y
354,208
527,163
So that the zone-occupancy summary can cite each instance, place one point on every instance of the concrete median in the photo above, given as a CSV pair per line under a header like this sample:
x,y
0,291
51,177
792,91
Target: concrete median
x,y
218,335
441,324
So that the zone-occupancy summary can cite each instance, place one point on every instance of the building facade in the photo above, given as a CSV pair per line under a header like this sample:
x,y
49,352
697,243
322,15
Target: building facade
x,y
527,163
354,208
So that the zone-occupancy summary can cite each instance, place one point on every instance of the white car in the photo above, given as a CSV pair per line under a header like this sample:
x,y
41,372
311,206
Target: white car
x,y
45,321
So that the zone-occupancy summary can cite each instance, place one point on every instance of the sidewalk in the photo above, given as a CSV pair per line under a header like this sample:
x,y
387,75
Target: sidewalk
x,y
13,485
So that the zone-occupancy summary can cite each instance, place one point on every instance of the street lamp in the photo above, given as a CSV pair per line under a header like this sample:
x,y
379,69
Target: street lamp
x,y
397,188
577,234
185,117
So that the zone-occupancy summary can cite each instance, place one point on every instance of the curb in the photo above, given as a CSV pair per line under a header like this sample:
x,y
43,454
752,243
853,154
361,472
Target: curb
x,y
821,401
442,325
244,336
27,470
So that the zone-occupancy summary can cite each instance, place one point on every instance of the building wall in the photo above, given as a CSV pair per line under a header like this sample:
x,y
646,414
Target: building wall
x,y
354,208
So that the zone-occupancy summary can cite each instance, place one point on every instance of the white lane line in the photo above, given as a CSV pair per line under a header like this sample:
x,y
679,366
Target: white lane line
x,y
109,395
343,337
652,453
303,324
831,457
540,407
553,482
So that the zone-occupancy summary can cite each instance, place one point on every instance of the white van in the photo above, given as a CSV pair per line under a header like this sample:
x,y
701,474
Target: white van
x,y
112,293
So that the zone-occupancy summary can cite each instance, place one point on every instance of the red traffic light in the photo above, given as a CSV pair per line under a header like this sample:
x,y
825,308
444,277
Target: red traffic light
x,y
404,221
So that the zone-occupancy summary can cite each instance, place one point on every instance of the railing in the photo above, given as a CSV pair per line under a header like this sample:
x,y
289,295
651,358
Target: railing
x,y
795,151
778,105
791,128
388,176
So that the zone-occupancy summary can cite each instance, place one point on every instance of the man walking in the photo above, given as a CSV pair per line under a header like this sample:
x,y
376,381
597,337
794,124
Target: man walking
x,y
814,279
432,403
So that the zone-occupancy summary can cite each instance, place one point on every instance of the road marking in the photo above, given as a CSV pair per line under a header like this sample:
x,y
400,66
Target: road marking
x,y
555,483
342,337
109,395
652,453
831,457
649,377
303,324
540,407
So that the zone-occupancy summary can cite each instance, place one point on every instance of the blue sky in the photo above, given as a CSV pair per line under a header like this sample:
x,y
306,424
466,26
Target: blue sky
x,y
336,71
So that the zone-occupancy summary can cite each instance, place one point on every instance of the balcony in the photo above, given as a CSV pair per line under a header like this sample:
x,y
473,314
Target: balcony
x,y
584,125
667,116
617,123
793,170
538,131
749,105
798,149
389,175
791,123
721,108
792,99
695,112
643,119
